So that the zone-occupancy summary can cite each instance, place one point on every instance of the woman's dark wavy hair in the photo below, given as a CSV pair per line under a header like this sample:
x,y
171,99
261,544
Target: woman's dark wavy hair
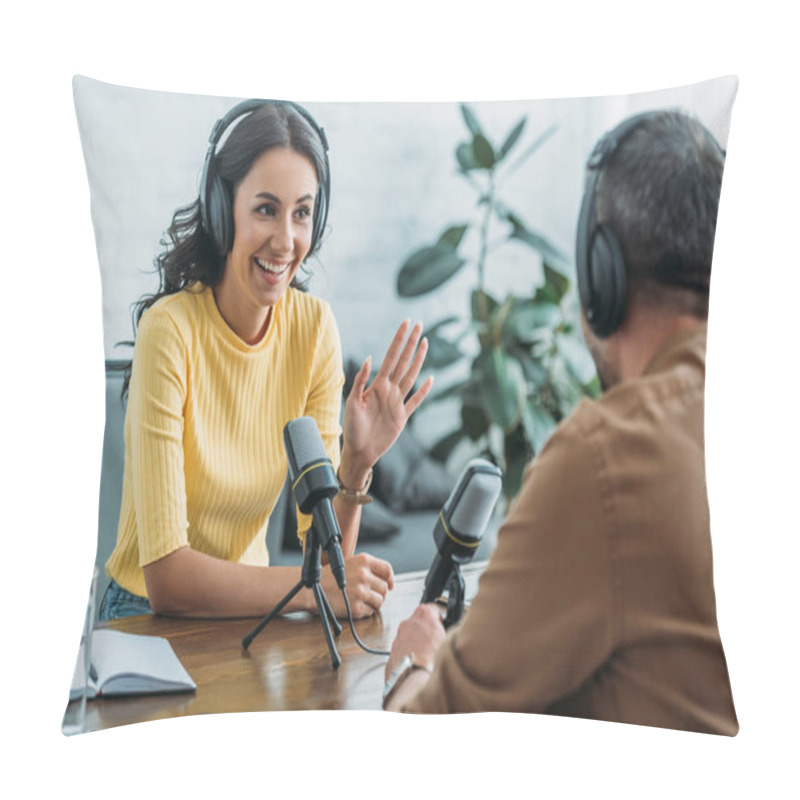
x,y
190,255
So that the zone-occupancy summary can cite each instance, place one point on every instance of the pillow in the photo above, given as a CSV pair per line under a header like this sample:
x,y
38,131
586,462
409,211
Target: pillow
x,y
415,230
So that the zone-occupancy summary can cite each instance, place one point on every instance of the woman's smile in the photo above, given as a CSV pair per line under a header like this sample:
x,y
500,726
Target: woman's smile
x,y
272,267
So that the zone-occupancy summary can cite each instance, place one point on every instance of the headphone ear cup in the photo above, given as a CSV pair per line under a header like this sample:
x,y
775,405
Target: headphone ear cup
x,y
607,279
219,212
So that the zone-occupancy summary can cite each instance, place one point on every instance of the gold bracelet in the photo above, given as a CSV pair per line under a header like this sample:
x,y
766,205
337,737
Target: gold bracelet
x,y
355,497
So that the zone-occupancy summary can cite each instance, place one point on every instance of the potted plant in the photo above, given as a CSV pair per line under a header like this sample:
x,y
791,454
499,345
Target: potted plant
x,y
526,363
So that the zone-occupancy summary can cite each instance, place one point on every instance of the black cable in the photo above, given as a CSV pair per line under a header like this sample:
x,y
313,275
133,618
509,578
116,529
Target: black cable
x,y
355,635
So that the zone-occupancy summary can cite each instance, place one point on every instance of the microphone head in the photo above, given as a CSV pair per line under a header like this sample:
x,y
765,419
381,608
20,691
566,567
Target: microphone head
x,y
310,468
461,524
473,499
467,510
303,444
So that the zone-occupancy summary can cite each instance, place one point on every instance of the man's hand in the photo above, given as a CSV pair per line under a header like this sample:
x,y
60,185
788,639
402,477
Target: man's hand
x,y
422,634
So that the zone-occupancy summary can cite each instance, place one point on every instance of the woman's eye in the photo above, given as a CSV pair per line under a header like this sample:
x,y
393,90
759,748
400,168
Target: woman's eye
x,y
266,209
304,212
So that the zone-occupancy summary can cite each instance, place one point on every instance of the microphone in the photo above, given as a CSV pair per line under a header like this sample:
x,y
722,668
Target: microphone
x,y
314,484
461,523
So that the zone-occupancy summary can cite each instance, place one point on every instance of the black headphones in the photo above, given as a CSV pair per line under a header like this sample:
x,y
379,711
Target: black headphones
x,y
216,203
602,277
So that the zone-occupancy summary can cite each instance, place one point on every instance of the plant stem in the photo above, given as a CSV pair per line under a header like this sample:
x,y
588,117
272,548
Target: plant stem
x,y
487,217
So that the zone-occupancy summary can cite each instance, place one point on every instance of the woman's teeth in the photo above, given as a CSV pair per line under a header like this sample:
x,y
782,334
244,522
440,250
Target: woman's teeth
x,y
273,269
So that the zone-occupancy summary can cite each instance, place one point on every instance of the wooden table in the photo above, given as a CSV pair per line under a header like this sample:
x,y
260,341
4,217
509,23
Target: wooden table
x,y
286,667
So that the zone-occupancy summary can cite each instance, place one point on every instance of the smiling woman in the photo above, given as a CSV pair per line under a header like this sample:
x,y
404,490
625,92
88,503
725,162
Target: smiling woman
x,y
227,352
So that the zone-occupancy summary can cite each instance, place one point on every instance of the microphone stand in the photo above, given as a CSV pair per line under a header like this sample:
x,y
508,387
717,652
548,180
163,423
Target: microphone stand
x,y
310,576
455,597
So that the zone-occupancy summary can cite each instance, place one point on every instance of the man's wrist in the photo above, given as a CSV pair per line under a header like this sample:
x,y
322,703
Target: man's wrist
x,y
407,689
401,676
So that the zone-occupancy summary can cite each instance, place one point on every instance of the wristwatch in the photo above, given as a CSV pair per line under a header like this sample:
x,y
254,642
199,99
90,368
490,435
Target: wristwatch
x,y
409,663
355,497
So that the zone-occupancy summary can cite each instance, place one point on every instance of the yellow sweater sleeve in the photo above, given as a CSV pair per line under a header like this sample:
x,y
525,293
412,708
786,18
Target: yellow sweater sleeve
x,y
156,400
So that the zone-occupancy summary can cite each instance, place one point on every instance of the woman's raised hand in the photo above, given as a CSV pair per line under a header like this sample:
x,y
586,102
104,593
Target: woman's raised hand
x,y
375,416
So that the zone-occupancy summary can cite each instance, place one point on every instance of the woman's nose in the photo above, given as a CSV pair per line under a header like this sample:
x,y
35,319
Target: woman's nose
x,y
282,235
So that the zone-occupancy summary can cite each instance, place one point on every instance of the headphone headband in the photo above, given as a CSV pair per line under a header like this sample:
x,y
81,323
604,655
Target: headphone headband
x,y
216,206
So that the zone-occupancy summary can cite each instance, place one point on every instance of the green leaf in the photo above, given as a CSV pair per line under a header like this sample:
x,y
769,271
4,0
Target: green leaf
x,y
577,358
533,369
592,388
499,317
452,236
538,423
567,389
483,305
444,447
511,139
547,294
465,157
502,387
537,143
427,269
556,280
471,120
474,421
527,317
442,323
442,352
517,453
483,151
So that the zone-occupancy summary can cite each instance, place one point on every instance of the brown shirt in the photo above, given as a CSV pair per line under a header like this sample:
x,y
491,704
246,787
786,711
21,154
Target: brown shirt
x,y
598,601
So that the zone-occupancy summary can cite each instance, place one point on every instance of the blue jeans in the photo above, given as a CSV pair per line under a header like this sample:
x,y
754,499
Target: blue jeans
x,y
119,602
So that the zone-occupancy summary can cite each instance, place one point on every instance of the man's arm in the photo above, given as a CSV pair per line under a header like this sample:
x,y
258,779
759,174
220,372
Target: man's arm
x,y
543,619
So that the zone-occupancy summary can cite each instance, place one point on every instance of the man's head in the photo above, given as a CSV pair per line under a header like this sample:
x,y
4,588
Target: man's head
x,y
647,225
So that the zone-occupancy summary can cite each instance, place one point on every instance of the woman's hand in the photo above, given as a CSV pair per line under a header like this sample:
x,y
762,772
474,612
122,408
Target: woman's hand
x,y
374,417
369,580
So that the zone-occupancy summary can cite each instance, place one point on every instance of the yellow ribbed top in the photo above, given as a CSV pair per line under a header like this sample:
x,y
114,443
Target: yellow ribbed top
x,y
204,456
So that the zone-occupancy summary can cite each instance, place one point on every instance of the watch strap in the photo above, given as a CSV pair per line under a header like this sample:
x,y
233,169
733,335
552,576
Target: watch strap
x,y
409,664
355,497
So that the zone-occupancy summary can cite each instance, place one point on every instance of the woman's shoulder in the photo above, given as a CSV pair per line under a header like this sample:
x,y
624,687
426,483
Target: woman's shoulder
x,y
180,309
299,303
308,319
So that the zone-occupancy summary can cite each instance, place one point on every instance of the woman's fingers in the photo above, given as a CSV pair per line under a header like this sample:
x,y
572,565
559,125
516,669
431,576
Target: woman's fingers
x,y
369,581
380,568
394,351
407,381
362,376
400,370
416,399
